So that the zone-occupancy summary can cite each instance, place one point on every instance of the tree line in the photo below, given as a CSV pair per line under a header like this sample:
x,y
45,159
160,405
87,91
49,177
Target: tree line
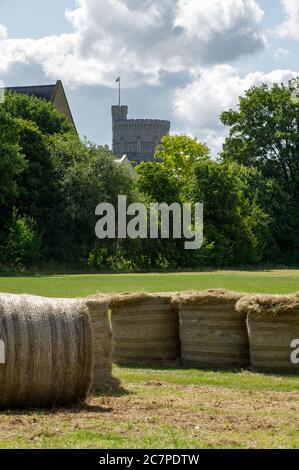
x,y
51,182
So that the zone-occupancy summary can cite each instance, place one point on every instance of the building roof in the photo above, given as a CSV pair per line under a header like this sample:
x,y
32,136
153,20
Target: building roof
x,y
45,92
54,93
126,162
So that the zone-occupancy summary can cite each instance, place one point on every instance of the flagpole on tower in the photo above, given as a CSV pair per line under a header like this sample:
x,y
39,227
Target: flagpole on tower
x,y
118,80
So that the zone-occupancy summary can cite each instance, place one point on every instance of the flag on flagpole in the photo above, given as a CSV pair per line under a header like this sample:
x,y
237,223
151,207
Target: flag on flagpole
x,y
118,79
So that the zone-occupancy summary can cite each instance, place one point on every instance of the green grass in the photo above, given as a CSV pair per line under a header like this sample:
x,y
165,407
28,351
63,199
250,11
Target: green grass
x,y
271,281
244,380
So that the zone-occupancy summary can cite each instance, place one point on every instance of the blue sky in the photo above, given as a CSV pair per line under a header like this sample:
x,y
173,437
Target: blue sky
x,y
181,60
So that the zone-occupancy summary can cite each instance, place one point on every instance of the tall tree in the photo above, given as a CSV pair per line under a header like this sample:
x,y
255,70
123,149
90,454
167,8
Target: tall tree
x,y
264,132
43,113
12,163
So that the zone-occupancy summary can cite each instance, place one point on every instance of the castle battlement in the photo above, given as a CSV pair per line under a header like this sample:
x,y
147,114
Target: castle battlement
x,y
137,138
142,123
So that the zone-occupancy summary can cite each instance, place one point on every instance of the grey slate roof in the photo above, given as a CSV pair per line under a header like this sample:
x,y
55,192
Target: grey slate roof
x,y
40,91
54,93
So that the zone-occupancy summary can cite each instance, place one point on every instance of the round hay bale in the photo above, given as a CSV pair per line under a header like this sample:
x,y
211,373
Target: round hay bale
x,y
212,333
48,351
101,373
145,328
273,327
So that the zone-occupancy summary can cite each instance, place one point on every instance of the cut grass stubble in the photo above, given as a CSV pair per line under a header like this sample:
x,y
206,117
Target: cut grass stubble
x,y
169,408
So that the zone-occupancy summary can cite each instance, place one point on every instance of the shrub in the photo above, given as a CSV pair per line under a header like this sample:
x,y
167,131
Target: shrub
x,y
22,244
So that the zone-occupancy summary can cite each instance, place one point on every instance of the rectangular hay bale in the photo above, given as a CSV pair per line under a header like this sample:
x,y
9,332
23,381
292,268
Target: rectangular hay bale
x,y
212,333
273,325
145,328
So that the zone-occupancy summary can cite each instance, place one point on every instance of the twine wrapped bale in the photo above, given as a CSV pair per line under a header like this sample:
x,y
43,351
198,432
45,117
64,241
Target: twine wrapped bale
x,y
145,328
273,325
48,351
212,333
101,374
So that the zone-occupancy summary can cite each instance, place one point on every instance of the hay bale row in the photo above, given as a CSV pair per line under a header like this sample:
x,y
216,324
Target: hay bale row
x,y
145,328
212,333
52,349
217,329
57,350
273,326
213,329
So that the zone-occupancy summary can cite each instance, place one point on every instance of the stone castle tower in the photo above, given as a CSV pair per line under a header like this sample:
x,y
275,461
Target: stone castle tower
x,y
136,138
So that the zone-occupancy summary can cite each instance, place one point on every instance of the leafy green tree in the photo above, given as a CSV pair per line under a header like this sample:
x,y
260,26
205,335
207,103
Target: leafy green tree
x,y
30,121
178,155
168,180
236,226
86,175
264,132
43,113
282,246
12,163
155,180
21,247
35,183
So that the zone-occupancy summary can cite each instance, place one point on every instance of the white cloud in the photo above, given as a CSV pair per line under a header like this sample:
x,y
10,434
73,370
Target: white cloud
x,y
199,105
204,19
139,39
291,26
3,31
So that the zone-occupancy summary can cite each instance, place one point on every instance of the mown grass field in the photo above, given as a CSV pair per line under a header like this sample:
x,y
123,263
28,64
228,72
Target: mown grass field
x,y
272,281
165,408
168,409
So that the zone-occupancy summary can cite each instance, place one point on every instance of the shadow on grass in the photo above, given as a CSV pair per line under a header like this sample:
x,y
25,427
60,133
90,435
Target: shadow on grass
x,y
113,388
174,367
57,410
164,367
144,365
58,270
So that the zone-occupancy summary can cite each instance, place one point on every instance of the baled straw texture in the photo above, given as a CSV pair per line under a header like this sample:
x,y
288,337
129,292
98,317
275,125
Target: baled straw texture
x,y
273,324
102,344
212,333
48,351
145,328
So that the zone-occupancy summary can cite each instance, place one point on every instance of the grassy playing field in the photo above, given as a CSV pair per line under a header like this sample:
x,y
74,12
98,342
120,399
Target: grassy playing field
x,y
275,281
165,408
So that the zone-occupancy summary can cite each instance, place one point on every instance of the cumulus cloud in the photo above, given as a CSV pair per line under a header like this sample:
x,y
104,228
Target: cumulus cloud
x,y
140,39
199,105
224,30
291,26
